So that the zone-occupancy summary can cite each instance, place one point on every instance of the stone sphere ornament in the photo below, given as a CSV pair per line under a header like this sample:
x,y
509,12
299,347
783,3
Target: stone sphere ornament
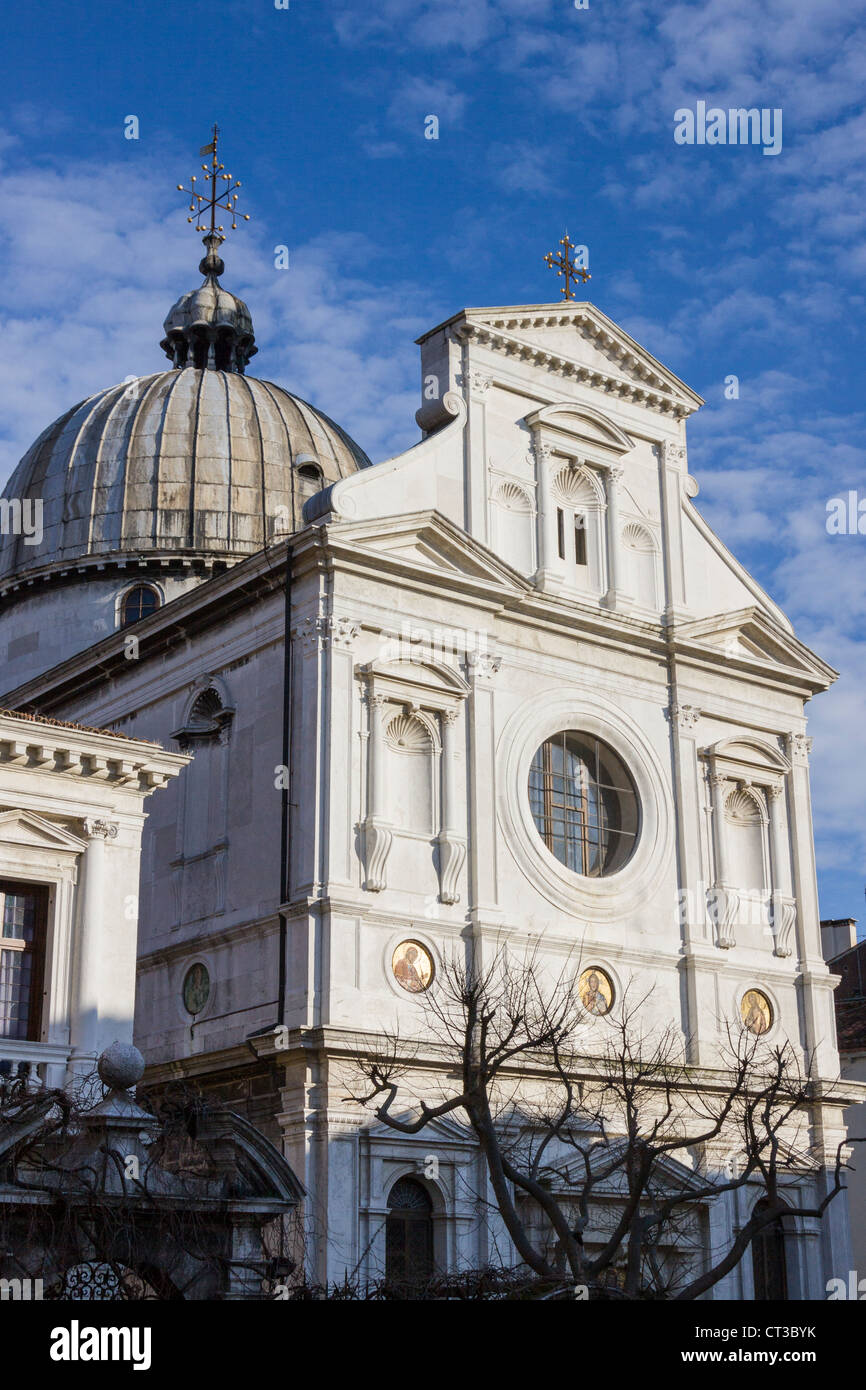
x,y
120,1066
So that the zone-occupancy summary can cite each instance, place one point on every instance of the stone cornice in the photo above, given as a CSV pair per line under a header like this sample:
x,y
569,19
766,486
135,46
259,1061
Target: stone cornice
x,y
26,583
242,1056
652,396
98,757
499,329
182,946
208,603
350,1043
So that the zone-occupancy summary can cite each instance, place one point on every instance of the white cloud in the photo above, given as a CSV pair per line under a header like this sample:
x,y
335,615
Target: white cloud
x,y
521,167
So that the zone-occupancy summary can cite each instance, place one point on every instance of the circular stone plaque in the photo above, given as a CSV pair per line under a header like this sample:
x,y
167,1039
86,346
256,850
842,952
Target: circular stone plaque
x,y
196,988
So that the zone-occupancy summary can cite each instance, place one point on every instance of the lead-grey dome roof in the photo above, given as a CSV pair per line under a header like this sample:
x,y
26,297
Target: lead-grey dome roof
x,y
187,462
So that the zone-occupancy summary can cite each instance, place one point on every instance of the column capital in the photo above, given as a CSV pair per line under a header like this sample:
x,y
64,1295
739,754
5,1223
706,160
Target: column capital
x,y
799,747
483,666
100,829
687,716
673,455
334,628
541,451
477,381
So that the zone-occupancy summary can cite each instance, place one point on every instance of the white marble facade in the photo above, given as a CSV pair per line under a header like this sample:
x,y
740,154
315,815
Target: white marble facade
x,y
71,816
535,564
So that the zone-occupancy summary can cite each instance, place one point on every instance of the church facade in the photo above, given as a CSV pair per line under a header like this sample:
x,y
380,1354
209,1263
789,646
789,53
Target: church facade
x,y
507,687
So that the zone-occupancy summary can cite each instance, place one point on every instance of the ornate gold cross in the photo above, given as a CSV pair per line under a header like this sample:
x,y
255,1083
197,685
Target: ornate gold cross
x,y
565,265
224,199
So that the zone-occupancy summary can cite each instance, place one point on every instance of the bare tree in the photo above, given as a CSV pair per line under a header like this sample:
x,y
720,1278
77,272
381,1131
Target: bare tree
x,y
602,1144
150,1218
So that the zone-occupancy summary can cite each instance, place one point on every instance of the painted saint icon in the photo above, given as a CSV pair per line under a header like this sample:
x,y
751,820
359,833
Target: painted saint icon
x,y
596,992
413,967
756,1011
196,988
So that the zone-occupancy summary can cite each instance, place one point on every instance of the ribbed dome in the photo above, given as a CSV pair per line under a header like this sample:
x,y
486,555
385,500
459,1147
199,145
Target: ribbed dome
x,y
193,462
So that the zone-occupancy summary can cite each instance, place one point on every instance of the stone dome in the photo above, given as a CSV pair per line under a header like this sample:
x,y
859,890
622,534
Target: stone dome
x,y
194,462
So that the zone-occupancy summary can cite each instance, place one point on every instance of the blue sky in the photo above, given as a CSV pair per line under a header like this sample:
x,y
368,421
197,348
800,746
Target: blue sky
x,y
720,260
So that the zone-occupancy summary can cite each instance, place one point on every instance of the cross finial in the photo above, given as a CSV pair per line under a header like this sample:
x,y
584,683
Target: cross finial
x,y
214,199
565,265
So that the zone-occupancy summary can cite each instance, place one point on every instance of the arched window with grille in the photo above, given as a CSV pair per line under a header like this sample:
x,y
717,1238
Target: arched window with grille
x,y
770,1260
138,603
409,1234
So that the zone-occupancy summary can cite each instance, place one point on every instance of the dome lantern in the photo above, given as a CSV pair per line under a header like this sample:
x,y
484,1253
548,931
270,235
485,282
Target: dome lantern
x,y
210,327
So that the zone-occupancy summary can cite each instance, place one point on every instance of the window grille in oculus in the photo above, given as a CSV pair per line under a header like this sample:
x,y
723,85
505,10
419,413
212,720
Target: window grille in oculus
x,y
584,804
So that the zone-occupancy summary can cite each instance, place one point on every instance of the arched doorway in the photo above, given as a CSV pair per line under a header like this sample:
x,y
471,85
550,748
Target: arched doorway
x,y
770,1260
409,1234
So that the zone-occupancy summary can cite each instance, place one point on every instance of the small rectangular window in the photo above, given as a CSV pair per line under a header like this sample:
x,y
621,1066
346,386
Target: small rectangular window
x,y
560,532
23,918
580,540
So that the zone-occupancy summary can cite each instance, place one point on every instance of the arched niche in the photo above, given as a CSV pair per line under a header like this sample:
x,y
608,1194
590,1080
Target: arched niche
x,y
640,554
746,828
513,525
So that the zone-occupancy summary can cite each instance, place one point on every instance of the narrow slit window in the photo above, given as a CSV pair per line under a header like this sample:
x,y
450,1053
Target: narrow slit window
x,y
560,531
580,540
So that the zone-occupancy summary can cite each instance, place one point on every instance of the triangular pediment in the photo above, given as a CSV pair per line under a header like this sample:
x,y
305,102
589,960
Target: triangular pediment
x,y
448,1131
577,340
427,543
607,1164
750,635
26,828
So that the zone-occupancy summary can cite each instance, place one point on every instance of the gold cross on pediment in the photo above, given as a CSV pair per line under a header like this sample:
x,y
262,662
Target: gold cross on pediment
x,y
565,265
